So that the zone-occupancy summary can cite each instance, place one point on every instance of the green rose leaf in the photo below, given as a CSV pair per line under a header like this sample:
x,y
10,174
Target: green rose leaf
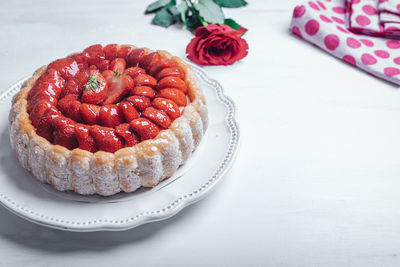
x,y
231,3
173,10
233,24
163,18
210,11
156,6
183,11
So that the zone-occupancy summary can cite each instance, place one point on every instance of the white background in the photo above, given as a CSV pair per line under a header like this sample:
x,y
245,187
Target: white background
x,y
316,181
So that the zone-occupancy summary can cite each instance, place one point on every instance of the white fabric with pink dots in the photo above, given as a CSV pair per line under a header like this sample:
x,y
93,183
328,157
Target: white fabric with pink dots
x,y
374,17
363,17
322,23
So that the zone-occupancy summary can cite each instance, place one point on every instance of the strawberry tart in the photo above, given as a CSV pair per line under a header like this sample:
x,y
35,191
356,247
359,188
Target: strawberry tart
x,y
108,119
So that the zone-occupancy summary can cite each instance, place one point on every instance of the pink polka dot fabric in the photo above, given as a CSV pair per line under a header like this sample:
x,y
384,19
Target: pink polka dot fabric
x,y
322,23
374,17
363,16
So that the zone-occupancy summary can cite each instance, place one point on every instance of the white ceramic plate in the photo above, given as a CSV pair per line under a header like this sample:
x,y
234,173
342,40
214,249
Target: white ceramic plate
x,y
23,195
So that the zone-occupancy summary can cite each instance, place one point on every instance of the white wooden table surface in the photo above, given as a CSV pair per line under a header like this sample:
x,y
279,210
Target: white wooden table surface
x,y
317,178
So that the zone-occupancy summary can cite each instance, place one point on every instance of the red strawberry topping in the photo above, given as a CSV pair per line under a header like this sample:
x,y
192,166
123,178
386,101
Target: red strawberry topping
x,y
90,113
163,63
106,138
134,71
67,67
145,128
129,111
173,71
134,57
118,65
95,88
94,54
145,80
111,51
110,116
106,98
143,91
139,102
168,106
124,51
173,94
85,140
118,86
172,82
159,117
64,132
45,128
38,111
70,107
124,130
149,60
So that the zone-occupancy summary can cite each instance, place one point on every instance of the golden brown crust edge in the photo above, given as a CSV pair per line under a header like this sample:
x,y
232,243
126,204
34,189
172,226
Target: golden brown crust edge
x,y
146,164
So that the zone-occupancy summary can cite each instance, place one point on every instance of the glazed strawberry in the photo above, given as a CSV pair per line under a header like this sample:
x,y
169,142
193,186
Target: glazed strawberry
x,y
173,71
157,116
118,65
172,82
85,140
149,60
71,88
74,111
64,103
173,94
82,78
139,102
64,132
42,95
67,67
118,86
94,54
38,111
168,106
51,81
111,51
90,113
143,91
145,80
70,107
134,71
124,51
45,128
106,138
103,65
54,77
134,57
129,111
145,128
80,60
124,130
47,87
95,89
162,64
110,116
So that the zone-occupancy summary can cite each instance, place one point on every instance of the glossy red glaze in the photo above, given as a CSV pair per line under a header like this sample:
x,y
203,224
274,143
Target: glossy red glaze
x,y
106,138
104,98
124,130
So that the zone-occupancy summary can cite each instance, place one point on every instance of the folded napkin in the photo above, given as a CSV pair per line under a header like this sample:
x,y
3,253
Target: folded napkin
x,y
322,23
374,17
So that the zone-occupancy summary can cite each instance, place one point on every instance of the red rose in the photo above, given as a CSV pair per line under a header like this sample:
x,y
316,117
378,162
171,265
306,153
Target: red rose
x,y
217,45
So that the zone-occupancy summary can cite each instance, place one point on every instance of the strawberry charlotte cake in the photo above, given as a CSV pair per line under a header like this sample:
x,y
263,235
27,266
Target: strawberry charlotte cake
x,y
108,119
